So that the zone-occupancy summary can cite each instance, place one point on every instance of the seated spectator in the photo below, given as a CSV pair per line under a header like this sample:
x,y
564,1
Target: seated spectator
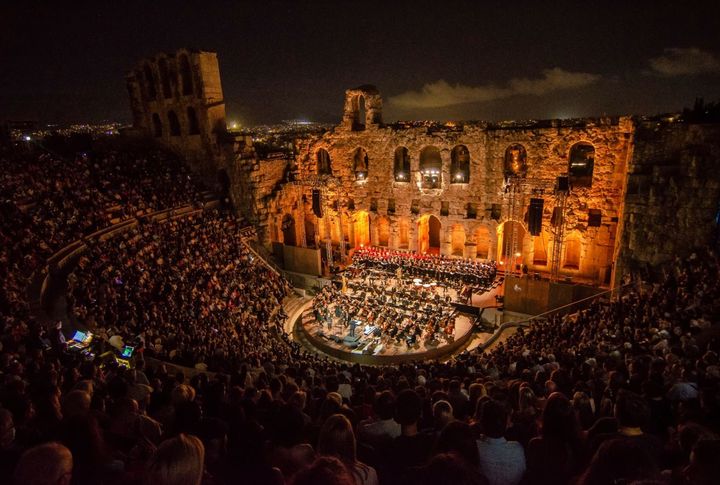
x,y
619,461
46,464
557,454
457,438
501,461
411,448
177,461
337,439
632,414
448,469
442,416
326,470
384,427
704,467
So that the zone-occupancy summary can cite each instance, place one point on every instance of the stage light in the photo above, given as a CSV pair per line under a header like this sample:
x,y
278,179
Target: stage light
x,y
517,255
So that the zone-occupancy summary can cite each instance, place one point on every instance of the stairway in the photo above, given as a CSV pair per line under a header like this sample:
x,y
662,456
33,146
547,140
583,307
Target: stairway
x,y
293,305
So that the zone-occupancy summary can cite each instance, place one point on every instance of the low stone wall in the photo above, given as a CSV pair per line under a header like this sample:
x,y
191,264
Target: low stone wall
x,y
368,359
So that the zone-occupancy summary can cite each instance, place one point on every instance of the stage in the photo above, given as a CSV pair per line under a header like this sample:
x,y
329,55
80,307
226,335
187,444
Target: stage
x,y
370,346
364,350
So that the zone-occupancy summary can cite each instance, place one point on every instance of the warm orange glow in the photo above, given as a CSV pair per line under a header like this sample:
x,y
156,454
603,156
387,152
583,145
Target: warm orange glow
x,y
362,229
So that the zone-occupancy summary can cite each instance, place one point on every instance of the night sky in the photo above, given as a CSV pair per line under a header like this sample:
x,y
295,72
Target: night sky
x,y
431,60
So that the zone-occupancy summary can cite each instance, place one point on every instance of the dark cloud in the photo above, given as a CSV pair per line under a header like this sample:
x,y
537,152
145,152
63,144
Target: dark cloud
x,y
442,93
685,62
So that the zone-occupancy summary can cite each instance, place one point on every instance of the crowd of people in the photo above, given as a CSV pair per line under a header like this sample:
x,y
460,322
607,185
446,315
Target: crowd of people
x,y
405,316
453,272
48,201
188,289
625,391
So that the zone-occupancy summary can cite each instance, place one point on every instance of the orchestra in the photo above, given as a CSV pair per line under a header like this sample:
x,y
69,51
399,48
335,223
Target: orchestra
x,y
399,298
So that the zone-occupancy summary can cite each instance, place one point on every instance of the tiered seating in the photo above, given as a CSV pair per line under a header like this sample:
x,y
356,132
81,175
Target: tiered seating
x,y
626,390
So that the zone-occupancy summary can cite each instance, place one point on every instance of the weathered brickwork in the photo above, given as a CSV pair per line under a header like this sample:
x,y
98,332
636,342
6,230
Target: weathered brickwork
x,y
177,99
367,191
652,190
673,193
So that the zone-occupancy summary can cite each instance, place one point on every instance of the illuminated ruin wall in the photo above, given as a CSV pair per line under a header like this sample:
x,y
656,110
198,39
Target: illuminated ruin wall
x,y
177,99
673,193
431,187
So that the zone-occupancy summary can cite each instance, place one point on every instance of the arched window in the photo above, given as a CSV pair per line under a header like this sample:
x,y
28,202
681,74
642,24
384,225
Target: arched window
x,y
360,164
540,250
193,125
186,75
572,252
515,161
359,110
165,77
288,230
150,82
309,232
581,164
157,125
324,166
482,239
460,165
383,228
431,167
174,124
404,233
402,165
457,240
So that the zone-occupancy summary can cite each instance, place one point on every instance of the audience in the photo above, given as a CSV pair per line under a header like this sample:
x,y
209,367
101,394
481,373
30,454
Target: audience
x,y
502,461
45,464
624,390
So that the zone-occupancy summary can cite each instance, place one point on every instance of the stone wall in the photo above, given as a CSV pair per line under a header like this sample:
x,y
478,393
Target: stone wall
x,y
367,204
177,99
673,192
458,189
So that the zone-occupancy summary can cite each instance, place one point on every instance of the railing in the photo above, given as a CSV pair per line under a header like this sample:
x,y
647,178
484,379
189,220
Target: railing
x,y
527,322
61,258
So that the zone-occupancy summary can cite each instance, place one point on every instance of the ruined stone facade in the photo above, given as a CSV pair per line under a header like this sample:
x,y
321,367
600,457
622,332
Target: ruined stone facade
x,y
641,192
177,99
443,188
673,192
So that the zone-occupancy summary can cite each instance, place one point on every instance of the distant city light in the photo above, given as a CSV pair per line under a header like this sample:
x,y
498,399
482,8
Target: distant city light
x,y
27,138
234,125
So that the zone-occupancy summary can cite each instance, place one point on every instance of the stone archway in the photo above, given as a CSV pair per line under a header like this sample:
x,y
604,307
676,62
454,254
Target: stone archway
x,y
309,232
506,254
383,231
429,234
457,240
361,229
288,230
483,242
403,233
